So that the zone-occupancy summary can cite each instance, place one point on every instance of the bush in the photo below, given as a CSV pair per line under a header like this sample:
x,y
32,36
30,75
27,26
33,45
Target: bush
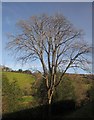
x,y
10,95
81,90
65,90
39,91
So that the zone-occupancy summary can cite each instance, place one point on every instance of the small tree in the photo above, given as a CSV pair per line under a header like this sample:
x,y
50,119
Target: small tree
x,y
39,92
55,42
20,70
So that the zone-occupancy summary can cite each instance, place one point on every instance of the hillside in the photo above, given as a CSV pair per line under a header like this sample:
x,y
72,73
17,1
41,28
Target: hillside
x,y
73,87
23,80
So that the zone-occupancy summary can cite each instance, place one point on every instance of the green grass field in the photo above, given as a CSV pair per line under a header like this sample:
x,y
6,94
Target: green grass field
x,y
23,80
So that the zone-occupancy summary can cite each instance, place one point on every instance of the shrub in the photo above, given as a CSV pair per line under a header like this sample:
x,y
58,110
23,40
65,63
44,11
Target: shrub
x,y
10,95
65,90
39,91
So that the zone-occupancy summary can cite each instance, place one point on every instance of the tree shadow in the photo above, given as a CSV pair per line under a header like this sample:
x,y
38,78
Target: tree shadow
x,y
59,111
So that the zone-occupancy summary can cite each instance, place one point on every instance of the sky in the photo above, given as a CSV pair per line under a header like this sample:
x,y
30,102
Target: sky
x,y
80,14
47,0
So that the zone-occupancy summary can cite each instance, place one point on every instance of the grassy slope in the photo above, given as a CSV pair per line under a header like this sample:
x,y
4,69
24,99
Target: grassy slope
x,y
23,80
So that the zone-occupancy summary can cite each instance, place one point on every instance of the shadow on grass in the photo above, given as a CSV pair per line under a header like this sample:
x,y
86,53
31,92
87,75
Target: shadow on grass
x,y
59,111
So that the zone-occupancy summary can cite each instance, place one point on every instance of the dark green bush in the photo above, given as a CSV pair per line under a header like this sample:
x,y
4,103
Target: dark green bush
x,y
65,91
39,91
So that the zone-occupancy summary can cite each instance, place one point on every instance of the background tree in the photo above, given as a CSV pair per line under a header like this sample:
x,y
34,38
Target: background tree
x,y
39,92
55,42
20,70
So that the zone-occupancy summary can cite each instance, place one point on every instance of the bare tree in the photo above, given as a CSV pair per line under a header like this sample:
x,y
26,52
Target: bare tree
x,y
55,42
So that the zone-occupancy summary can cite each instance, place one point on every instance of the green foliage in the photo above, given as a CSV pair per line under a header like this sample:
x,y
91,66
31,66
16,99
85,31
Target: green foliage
x,y
72,87
11,93
65,90
42,92
20,70
81,89
39,91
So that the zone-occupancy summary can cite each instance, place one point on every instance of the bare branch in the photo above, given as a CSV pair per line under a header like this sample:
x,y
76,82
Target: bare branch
x,y
55,42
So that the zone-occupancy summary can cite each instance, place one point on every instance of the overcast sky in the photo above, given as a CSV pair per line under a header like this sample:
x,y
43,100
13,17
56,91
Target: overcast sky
x,y
80,14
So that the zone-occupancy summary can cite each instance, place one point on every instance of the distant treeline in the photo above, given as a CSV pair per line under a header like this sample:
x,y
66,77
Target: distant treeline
x,y
7,69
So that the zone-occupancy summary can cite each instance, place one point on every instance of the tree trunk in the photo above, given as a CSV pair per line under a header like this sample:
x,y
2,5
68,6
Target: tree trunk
x,y
50,101
50,95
